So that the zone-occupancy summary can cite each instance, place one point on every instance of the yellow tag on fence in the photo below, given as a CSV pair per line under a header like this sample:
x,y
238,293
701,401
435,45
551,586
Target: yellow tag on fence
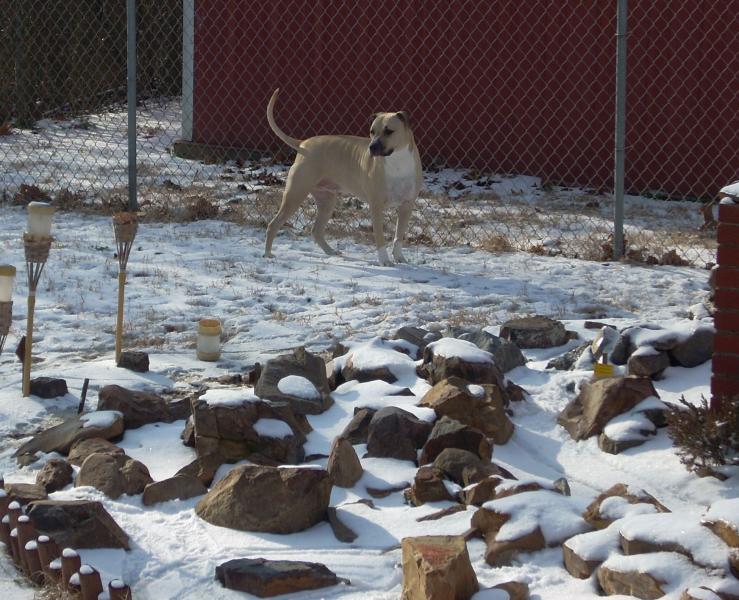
x,y
602,370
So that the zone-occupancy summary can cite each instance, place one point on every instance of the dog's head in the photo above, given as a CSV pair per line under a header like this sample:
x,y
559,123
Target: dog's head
x,y
389,132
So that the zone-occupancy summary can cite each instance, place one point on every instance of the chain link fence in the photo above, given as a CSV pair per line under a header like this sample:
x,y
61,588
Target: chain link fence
x,y
512,104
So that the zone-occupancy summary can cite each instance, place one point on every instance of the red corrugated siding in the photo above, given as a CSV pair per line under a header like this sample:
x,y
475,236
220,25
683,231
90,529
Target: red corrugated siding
x,y
506,85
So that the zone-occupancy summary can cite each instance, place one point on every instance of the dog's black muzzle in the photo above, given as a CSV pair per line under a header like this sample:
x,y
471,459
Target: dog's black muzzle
x,y
377,149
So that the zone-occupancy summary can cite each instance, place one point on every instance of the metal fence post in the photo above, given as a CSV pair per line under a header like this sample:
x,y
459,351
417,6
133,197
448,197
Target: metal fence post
x,y
620,126
131,89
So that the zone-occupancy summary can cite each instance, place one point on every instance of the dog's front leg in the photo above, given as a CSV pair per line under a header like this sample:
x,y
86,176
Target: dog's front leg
x,y
401,228
376,204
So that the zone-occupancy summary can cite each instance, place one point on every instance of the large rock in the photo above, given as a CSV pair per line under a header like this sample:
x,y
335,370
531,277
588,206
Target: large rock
x,y
450,433
619,501
343,464
77,524
396,433
534,332
696,349
463,467
417,336
501,553
48,387
437,567
428,486
481,407
113,475
23,493
140,408
629,583
235,424
506,354
298,379
273,500
60,438
179,487
356,430
266,578
450,357
55,475
647,362
600,401
83,448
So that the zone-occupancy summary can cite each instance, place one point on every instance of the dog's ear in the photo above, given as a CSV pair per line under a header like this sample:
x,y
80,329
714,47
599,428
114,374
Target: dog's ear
x,y
405,117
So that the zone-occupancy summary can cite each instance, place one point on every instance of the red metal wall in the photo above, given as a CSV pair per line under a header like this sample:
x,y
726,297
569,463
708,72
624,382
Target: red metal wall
x,y
518,86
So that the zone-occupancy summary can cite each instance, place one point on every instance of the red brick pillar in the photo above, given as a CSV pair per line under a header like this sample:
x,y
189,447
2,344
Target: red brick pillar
x,y
725,380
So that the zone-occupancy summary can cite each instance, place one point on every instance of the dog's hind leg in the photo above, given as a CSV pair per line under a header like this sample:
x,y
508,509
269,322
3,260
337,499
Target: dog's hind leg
x,y
325,205
293,197
401,228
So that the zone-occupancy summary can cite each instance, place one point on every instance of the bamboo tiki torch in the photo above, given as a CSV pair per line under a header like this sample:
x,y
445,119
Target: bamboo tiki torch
x,y
125,225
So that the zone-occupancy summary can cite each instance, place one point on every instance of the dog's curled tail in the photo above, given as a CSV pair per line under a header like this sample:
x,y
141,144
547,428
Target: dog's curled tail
x,y
290,141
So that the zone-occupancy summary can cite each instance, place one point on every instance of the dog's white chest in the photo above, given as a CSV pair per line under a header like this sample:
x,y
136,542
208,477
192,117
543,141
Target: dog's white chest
x,y
400,177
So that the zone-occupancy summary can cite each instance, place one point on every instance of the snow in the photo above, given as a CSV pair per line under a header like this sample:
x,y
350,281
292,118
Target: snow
x,y
680,528
229,397
294,385
629,426
462,349
616,507
180,271
730,190
558,517
101,419
273,428
724,510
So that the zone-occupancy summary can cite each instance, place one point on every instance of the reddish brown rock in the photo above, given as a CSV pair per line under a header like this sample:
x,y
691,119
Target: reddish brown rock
x,y
343,464
437,568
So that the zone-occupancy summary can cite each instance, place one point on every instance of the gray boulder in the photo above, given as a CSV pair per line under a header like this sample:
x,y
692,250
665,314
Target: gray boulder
x,y
396,433
534,332
140,408
266,578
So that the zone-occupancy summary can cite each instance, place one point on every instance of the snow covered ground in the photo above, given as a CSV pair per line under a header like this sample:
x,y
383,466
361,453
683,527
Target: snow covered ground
x,y
181,272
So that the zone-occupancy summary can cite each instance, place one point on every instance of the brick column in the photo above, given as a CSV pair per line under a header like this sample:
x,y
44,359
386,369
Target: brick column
x,y
725,380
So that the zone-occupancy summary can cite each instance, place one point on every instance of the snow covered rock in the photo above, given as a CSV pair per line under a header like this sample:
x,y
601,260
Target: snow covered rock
x,y
266,578
584,553
478,406
450,357
417,336
625,431
506,354
179,487
60,438
141,408
234,424
479,493
376,359
268,499
428,486
620,501
600,401
437,568
343,464
646,361
686,345
114,475
723,519
534,332
450,433
299,379
396,433
526,522
77,524
55,475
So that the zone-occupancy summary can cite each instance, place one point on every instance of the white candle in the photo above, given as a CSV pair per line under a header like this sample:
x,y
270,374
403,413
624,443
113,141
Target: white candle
x,y
209,339
7,278
39,219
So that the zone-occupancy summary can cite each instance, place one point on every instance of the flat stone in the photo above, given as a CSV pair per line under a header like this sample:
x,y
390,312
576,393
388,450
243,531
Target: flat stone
x,y
266,578
179,487
24,493
534,332
77,524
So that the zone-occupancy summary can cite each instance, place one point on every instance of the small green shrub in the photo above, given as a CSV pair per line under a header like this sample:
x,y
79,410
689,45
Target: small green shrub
x,y
705,437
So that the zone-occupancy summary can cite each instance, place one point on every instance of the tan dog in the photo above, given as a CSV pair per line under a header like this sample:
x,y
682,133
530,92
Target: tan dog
x,y
384,170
